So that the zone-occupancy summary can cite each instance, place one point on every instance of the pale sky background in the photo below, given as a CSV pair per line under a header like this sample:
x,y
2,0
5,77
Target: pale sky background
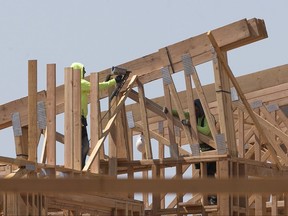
x,y
101,34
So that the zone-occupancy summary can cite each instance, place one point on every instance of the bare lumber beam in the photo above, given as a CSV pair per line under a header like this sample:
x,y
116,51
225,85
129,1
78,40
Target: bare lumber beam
x,y
68,118
224,105
101,184
76,104
51,114
95,119
32,110
143,112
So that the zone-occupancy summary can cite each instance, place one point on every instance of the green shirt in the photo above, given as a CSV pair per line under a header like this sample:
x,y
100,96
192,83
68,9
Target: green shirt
x,y
85,91
202,128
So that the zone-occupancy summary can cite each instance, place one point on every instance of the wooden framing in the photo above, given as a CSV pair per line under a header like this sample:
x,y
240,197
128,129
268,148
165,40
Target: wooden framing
x,y
253,129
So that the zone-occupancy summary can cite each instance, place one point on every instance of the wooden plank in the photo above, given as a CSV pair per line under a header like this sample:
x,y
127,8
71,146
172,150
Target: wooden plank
x,y
143,111
223,95
114,138
161,155
260,205
108,185
76,125
32,110
190,100
155,196
241,143
68,116
123,149
43,157
174,153
95,119
51,114
285,212
223,174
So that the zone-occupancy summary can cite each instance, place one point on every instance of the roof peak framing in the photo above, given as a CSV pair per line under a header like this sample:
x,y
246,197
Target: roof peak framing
x,y
147,68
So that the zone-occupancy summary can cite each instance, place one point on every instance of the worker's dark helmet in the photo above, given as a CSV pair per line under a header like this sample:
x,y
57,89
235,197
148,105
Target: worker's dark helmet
x,y
198,108
79,66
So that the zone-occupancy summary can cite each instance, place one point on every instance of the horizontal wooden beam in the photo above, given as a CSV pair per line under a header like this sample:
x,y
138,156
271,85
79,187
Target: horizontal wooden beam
x,y
105,185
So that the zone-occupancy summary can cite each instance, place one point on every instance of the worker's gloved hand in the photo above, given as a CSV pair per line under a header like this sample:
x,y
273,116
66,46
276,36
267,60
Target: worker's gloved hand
x,y
119,78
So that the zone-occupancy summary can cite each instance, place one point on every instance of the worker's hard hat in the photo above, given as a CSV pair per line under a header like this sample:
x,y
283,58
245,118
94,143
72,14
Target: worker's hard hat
x,y
79,66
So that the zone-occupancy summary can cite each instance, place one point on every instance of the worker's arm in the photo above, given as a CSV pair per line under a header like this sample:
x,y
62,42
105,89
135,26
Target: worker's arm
x,y
85,85
205,129
175,114
107,84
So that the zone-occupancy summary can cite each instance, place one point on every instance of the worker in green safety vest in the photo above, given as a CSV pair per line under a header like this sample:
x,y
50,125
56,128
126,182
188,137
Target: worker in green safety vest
x,y
85,91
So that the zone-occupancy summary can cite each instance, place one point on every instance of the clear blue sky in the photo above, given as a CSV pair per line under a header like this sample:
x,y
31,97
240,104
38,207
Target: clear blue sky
x,y
104,33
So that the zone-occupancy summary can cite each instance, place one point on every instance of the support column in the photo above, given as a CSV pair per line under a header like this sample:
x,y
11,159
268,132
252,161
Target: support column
x,y
223,96
68,118
76,115
95,119
51,114
32,110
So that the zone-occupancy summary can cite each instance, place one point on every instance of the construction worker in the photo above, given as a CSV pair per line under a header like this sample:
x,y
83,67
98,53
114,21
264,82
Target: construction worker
x,y
203,128
85,91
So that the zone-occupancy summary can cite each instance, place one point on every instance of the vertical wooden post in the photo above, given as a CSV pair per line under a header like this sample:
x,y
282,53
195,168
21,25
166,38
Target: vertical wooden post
x,y
32,110
51,114
113,144
125,149
155,196
144,118
223,95
95,119
241,144
145,195
174,153
68,118
274,208
161,156
224,199
188,69
179,172
77,125
285,211
260,205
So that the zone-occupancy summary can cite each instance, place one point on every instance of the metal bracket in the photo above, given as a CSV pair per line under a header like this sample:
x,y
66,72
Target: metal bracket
x,y
188,66
214,55
160,127
256,104
221,145
16,124
41,115
234,94
272,107
166,75
130,119
195,149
